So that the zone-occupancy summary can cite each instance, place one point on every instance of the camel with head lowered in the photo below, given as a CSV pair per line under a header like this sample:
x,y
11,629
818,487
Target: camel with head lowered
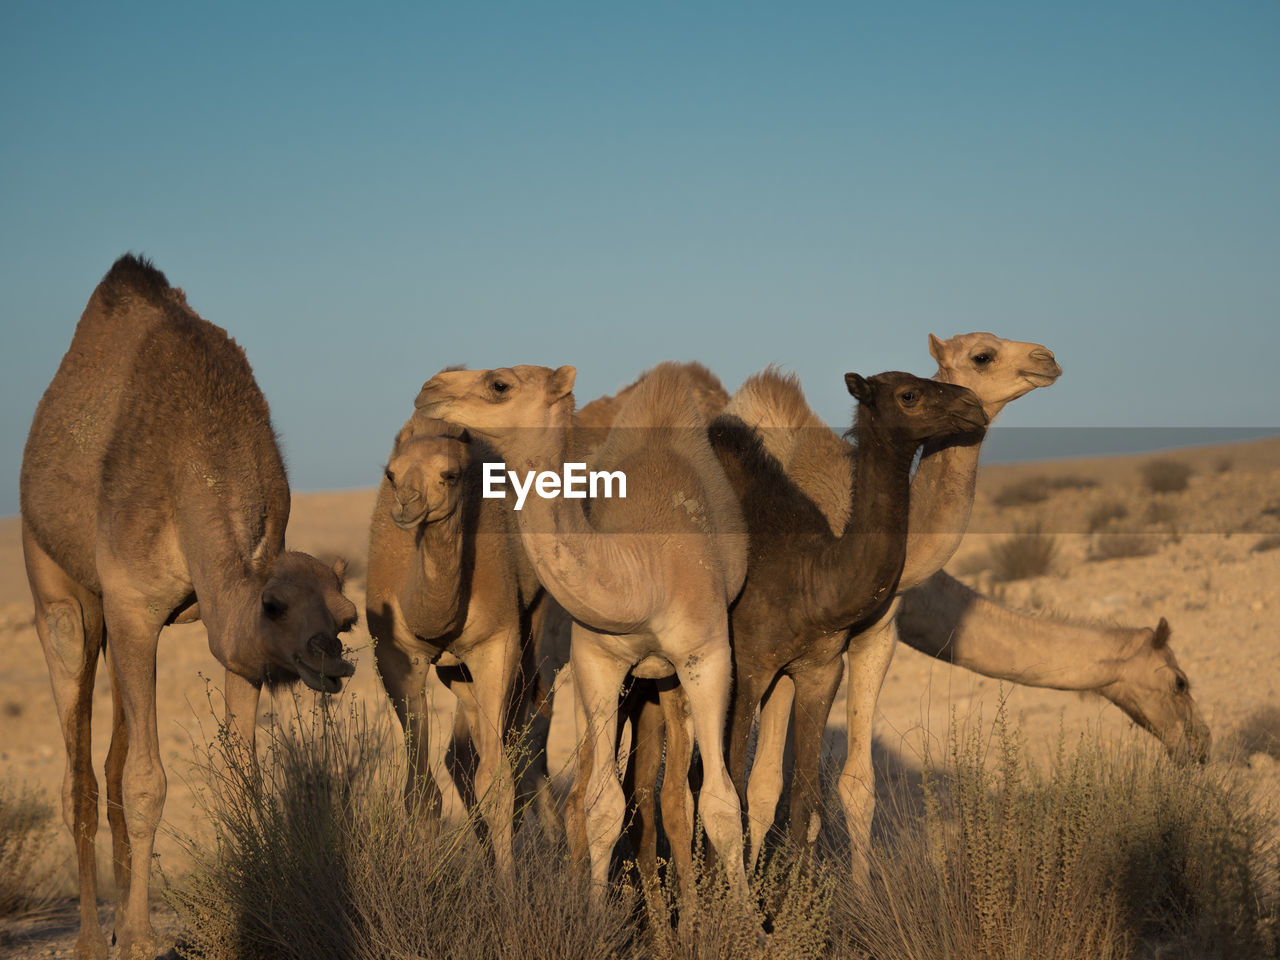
x,y
450,587
153,492
646,578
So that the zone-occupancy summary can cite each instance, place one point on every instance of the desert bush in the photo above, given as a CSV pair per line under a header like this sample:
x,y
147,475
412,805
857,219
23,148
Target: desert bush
x,y
1023,492
1072,481
26,823
1110,854
1027,553
1116,546
1260,733
1163,475
1266,543
1224,465
314,855
1102,515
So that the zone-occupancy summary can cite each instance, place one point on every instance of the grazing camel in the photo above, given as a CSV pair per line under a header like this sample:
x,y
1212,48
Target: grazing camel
x,y
806,587
942,489
646,578
1134,668
152,493
450,586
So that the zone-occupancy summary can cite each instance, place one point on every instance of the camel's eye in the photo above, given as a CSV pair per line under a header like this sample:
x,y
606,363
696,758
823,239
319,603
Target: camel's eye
x,y
909,398
499,386
391,477
1180,684
982,359
449,476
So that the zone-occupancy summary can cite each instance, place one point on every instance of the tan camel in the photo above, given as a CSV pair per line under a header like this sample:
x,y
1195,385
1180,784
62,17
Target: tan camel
x,y
450,586
998,371
151,482
646,578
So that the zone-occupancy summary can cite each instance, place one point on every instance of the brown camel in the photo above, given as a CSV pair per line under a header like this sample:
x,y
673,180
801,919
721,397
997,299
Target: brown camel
x,y
998,371
450,586
646,577
807,587
151,482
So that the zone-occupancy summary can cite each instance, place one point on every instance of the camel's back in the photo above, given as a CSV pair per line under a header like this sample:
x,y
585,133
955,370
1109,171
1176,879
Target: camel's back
x,y
149,400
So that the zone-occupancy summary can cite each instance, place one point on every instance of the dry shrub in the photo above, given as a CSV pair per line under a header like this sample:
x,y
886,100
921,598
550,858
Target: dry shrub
x,y
1111,854
1116,546
1163,475
1027,553
1072,481
1104,513
1023,492
1266,543
1224,465
1260,733
315,856
26,823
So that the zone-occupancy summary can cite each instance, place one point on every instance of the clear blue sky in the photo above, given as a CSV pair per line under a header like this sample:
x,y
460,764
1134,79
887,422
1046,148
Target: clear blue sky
x,y
362,197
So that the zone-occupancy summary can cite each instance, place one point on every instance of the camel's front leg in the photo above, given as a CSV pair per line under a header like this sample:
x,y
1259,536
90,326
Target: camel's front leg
x,y
598,677
869,656
494,665
242,698
815,691
404,677
133,661
764,787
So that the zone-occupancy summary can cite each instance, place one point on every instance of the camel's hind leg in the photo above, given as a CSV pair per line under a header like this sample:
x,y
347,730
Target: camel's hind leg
x,y
69,623
869,656
494,666
764,787
640,785
706,674
677,797
598,677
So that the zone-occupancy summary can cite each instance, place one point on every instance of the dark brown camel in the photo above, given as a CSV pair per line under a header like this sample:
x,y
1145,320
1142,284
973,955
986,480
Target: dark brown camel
x,y
807,587
151,482
450,586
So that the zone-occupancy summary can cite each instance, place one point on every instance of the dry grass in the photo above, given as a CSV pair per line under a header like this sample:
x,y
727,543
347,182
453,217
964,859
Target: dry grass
x,y
1109,855
1163,475
1103,515
26,823
1024,492
1119,545
1027,553
1260,733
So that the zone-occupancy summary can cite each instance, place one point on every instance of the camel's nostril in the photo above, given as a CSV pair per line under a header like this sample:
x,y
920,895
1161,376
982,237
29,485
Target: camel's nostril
x,y
325,646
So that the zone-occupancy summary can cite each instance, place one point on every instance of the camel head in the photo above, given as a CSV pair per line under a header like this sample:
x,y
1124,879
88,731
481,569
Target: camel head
x,y
911,408
301,612
496,403
1156,694
997,370
424,472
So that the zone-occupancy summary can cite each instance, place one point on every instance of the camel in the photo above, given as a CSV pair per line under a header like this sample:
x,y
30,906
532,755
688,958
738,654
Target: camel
x,y
450,586
646,578
942,489
153,492
806,587
1134,668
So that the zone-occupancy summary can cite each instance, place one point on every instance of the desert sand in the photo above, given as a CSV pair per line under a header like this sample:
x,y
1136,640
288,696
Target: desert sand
x,y
1205,575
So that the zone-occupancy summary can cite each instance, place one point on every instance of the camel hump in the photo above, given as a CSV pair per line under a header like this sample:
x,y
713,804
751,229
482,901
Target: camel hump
x,y
132,274
664,398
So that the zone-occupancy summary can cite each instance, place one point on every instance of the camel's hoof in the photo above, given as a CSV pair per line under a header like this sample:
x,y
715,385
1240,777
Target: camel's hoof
x,y
91,945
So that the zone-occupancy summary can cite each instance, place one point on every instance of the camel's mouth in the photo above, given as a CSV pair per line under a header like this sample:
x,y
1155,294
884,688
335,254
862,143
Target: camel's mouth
x,y
1043,377
409,519
328,679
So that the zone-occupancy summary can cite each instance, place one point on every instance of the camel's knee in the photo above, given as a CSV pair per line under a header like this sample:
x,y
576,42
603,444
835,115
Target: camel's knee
x,y
144,792
64,627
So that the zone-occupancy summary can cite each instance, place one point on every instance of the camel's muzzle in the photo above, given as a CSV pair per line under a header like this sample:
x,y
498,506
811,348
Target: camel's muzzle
x,y
328,675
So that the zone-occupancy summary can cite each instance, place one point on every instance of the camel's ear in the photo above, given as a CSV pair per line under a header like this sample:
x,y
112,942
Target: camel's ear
x,y
1161,638
936,348
405,433
340,570
258,561
859,389
561,382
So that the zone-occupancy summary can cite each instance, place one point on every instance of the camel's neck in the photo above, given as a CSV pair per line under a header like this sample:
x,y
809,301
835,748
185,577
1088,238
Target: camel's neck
x,y
857,574
433,604
592,575
945,619
942,493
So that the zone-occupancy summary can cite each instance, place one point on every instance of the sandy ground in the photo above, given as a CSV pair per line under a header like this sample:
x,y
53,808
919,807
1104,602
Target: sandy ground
x,y
1205,576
